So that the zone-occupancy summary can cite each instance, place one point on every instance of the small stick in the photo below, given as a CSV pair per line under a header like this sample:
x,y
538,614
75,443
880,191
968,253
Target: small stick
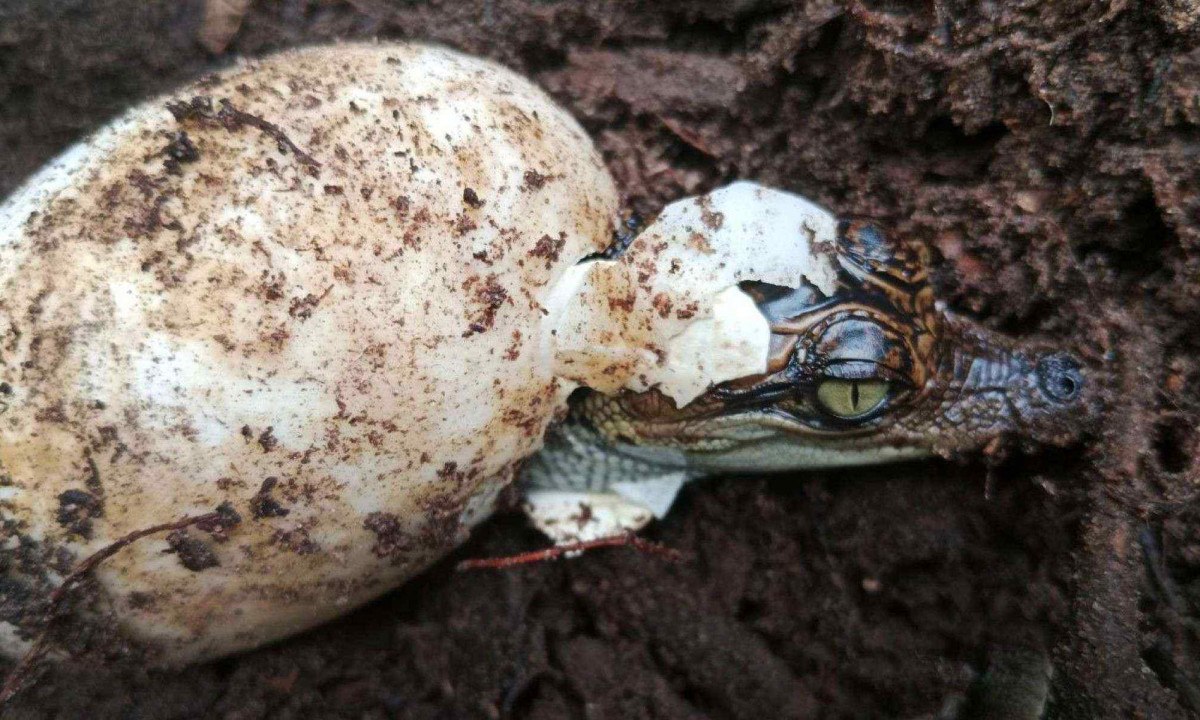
x,y
16,679
553,553
231,118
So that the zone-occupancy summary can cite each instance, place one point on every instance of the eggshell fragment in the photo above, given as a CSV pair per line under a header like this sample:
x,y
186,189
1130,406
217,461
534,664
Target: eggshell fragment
x,y
309,288
668,314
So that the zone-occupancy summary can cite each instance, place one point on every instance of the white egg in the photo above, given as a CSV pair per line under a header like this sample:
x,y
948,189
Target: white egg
x,y
312,287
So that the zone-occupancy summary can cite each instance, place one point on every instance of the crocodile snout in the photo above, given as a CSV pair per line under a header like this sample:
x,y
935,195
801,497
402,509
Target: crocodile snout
x,y
992,386
1060,377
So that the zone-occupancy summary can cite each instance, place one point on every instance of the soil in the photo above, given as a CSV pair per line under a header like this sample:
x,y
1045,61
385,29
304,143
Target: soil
x,y
1048,152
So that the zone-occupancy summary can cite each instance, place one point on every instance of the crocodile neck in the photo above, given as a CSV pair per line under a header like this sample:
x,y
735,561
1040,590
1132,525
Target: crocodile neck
x,y
579,457
599,445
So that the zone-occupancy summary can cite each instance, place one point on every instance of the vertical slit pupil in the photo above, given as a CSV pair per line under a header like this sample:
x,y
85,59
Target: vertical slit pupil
x,y
854,395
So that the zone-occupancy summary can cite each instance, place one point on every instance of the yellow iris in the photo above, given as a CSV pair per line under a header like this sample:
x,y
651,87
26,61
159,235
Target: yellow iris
x,y
851,399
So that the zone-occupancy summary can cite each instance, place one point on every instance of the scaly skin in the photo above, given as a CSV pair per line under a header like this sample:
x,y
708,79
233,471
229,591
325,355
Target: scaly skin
x,y
949,386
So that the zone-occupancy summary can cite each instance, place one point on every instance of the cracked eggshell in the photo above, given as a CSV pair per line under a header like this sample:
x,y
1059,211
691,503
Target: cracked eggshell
x,y
318,299
668,314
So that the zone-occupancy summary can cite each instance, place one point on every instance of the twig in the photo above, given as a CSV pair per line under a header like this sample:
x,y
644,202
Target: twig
x,y
690,137
16,679
553,553
234,118
231,118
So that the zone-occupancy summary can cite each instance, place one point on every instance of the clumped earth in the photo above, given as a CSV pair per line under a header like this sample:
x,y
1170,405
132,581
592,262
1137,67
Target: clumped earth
x,y
1048,152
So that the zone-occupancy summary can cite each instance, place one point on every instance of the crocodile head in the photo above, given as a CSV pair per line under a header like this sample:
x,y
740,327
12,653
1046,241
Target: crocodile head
x,y
876,371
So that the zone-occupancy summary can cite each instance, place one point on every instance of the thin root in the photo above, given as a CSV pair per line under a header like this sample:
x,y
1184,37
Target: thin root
x,y
16,679
231,118
554,553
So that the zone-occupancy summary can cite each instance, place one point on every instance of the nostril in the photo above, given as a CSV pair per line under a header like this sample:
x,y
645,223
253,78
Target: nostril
x,y
1060,377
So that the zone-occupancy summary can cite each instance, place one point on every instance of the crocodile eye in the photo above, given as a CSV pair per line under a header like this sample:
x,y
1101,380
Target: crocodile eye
x,y
852,399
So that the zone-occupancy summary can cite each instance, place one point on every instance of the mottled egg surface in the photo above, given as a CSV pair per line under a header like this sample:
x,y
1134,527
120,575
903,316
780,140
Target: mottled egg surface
x,y
310,289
